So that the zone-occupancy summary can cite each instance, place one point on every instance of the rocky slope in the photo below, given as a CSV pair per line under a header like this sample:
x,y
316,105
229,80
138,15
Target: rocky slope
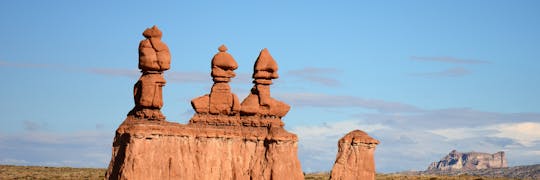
x,y
469,161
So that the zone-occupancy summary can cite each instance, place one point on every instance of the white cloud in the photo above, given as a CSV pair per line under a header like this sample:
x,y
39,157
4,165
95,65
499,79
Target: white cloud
x,y
337,128
327,100
525,133
318,143
74,149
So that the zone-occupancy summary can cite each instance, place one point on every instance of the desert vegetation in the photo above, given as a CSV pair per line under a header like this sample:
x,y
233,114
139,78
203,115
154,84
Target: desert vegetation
x,y
42,172
326,176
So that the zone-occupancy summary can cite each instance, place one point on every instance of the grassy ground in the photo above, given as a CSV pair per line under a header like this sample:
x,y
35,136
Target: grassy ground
x,y
325,176
40,172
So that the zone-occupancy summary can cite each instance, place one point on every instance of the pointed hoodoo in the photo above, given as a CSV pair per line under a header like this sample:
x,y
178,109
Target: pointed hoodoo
x,y
265,68
259,102
154,58
221,103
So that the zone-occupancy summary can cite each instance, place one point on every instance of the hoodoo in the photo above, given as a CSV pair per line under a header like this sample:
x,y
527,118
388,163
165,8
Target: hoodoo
x,y
223,140
355,157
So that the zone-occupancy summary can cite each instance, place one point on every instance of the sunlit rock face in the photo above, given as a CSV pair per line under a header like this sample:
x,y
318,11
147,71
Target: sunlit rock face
x,y
355,157
166,150
469,161
221,140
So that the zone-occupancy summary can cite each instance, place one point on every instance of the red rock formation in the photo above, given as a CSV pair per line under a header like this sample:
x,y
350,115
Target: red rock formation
x,y
259,104
154,58
164,150
221,106
217,143
355,157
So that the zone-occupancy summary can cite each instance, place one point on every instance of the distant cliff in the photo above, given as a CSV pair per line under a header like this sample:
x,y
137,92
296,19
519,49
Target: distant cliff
x,y
458,161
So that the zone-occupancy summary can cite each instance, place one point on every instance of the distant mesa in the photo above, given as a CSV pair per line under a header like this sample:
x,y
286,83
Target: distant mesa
x,y
458,161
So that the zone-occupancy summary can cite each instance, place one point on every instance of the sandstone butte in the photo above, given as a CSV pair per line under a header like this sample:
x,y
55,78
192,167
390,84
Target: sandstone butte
x,y
355,157
458,161
225,139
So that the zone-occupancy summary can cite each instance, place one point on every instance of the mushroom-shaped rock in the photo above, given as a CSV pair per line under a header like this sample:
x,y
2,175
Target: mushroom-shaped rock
x,y
355,157
223,65
259,101
220,101
265,68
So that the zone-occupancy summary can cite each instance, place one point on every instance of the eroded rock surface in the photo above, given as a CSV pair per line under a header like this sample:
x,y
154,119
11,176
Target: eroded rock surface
x,y
221,105
456,161
165,150
355,157
218,143
259,104
154,58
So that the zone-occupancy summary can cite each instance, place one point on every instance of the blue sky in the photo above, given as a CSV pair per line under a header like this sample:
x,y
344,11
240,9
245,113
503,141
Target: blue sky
x,y
423,77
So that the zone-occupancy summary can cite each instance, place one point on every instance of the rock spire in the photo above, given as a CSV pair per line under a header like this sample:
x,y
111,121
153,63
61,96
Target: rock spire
x,y
154,58
355,157
259,102
221,105
219,142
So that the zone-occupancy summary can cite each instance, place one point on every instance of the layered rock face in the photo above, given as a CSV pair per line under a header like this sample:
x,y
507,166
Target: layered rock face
x,y
165,150
355,157
455,161
220,141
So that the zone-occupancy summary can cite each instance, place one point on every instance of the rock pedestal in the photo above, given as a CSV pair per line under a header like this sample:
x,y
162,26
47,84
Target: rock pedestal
x,y
218,143
159,150
355,157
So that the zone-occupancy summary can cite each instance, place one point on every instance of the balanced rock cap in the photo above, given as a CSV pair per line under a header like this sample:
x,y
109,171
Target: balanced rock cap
x,y
223,59
265,62
358,136
152,32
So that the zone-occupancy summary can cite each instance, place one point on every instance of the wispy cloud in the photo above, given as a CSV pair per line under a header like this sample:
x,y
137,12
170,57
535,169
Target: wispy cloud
x,y
172,76
317,75
413,137
318,142
74,149
525,133
112,72
415,146
33,126
326,100
452,72
448,59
